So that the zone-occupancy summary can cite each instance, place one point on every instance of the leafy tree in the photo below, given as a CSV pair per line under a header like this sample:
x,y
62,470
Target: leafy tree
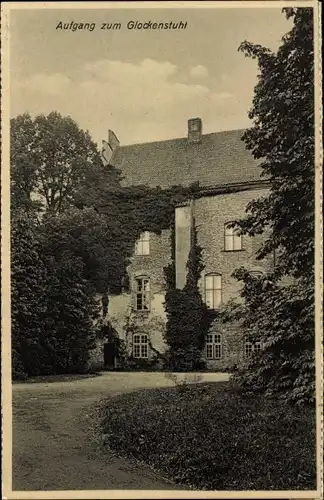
x,y
280,312
50,157
53,304
28,285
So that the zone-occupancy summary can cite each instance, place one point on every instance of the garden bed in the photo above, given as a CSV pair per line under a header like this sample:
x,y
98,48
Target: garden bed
x,y
208,436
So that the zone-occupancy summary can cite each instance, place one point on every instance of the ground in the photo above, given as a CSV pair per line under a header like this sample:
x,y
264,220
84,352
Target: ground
x,y
54,445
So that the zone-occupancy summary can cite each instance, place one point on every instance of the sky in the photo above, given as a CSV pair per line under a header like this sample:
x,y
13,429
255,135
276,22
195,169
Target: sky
x,y
144,85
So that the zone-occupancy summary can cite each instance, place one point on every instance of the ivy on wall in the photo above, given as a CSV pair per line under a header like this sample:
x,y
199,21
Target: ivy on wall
x,y
188,318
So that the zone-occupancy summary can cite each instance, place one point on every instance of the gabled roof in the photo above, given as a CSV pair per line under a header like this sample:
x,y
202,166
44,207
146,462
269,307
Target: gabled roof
x,y
220,158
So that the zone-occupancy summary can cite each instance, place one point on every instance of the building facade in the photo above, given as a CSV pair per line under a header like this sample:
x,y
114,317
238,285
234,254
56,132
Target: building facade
x,y
229,178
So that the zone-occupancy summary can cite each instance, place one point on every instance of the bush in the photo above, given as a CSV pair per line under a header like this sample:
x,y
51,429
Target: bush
x,y
207,436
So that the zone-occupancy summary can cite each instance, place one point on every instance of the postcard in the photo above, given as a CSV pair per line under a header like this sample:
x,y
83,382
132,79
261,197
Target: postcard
x,y
162,250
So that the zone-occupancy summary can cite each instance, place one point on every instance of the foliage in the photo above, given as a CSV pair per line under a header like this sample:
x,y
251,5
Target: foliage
x,y
28,285
207,436
50,157
188,319
282,137
53,306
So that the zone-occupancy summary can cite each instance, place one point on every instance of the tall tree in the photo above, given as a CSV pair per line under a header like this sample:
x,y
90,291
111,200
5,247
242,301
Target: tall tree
x,y
282,137
50,157
28,288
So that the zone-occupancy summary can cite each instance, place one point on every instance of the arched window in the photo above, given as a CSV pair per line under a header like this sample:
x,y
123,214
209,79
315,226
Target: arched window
x,y
140,346
233,239
142,293
142,245
213,290
214,346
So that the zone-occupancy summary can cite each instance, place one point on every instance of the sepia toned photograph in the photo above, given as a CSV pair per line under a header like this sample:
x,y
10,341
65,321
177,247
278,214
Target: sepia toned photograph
x,y
161,250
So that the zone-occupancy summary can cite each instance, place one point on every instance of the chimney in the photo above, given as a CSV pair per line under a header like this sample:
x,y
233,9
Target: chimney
x,y
194,130
108,147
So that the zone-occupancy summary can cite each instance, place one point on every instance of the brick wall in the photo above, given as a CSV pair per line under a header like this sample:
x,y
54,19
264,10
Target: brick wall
x,y
211,214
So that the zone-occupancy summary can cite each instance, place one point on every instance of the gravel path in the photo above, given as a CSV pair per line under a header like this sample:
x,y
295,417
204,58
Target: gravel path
x,y
54,435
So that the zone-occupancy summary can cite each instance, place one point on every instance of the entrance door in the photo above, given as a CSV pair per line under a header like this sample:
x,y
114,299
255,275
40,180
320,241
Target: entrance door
x,y
110,356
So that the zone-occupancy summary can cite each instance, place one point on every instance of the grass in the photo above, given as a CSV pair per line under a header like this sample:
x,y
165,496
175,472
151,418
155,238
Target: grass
x,y
207,436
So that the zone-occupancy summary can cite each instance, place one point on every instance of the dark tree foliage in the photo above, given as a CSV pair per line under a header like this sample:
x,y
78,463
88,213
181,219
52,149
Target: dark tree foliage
x,y
53,306
28,287
280,311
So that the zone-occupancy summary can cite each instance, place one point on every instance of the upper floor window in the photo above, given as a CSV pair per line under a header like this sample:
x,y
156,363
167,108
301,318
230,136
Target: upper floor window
x,y
142,245
233,240
213,290
142,291
251,346
140,346
214,346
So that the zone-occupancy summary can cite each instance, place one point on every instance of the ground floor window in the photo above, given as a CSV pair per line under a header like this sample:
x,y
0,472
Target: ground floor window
x,y
140,346
214,346
251,346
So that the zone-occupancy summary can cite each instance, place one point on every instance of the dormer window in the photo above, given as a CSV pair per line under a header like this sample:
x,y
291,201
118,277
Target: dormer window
x,y
142,245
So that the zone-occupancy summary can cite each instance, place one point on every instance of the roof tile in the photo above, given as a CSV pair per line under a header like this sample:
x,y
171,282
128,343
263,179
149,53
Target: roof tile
x,y
220,158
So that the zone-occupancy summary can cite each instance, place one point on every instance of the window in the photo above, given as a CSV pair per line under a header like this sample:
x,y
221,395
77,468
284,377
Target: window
x,y
142,294
233,240
140,346
142,246
214,346
213,290
251,346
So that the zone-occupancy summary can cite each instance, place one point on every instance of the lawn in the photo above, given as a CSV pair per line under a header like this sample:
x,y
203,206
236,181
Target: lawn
x,y
208,436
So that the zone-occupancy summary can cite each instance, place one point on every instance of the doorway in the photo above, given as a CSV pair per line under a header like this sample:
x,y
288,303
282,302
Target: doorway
x,y
110,356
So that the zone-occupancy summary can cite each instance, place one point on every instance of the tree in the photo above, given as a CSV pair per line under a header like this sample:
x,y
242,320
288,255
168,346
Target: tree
x,y
282,137
28,284
53,305
50,157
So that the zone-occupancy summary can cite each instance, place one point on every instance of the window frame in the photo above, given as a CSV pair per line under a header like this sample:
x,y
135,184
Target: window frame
x,y
142,345
255,346
213,290
216,346
141,243
142,293
232,236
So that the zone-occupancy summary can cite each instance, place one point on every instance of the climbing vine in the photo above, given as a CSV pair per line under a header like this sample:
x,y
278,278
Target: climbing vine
x,y
188,318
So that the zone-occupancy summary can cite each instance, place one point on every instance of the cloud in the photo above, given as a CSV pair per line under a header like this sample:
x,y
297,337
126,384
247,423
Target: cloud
x,y
54,84
141,102
198,72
